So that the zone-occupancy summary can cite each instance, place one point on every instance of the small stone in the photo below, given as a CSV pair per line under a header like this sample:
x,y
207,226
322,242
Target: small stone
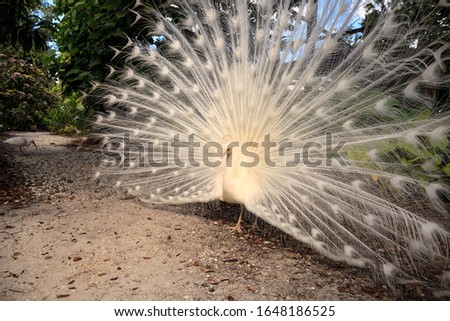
x,y
252,288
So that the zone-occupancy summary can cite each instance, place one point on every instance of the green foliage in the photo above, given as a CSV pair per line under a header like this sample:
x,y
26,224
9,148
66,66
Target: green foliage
x,y
69,115
424,161
30,100
435,19
25,94
21,27
86,30
89,28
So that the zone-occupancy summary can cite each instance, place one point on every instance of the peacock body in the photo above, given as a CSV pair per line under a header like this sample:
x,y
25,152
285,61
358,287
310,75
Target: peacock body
x,y
333,140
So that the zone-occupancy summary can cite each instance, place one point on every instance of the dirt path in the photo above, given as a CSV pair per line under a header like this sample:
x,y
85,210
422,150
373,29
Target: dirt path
x,y
65,238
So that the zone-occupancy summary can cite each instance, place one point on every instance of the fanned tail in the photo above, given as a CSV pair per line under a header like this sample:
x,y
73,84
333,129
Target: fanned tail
x,y
337,142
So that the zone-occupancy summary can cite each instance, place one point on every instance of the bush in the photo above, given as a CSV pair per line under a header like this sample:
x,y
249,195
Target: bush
x,y
69,115
25,94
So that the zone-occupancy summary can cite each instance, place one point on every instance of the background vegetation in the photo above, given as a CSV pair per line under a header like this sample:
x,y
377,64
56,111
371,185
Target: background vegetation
x,y
52,51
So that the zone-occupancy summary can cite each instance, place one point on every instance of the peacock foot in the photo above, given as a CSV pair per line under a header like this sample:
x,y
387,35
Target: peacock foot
x,y
237,228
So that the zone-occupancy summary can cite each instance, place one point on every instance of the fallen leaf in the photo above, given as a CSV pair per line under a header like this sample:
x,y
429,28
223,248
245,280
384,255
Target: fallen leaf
x,y
368,289
59,296
230,260
206,270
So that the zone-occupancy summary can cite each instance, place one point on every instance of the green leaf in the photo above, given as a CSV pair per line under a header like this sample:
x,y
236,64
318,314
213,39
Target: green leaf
x,y
446,169
74,51
95,62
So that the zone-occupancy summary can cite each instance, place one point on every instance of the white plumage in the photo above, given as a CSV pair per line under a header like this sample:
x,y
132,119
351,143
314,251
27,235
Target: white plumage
x,y
253,74
20,142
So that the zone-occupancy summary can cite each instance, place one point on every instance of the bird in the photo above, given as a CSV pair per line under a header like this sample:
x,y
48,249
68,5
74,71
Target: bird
x,y
339,142
20,142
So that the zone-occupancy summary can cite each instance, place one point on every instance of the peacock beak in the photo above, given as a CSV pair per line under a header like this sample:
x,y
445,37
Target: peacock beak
x,y
227,152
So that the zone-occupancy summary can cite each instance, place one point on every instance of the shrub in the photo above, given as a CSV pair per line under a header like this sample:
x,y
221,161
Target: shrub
x,y
68,115
25,94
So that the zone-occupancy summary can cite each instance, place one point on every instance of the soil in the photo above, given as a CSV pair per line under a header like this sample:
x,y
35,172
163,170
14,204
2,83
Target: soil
x,y
64,237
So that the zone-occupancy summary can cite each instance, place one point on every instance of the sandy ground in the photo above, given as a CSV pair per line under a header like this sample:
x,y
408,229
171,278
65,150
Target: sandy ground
x,y
65,238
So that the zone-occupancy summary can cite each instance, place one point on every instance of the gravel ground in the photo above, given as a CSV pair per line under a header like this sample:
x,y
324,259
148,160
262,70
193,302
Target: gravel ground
x,y
65,238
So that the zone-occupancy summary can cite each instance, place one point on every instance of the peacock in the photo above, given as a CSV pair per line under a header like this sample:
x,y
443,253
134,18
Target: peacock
x,y
338,138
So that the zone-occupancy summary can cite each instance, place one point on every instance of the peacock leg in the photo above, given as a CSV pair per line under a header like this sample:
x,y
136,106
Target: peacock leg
x,y
237,227
255,226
